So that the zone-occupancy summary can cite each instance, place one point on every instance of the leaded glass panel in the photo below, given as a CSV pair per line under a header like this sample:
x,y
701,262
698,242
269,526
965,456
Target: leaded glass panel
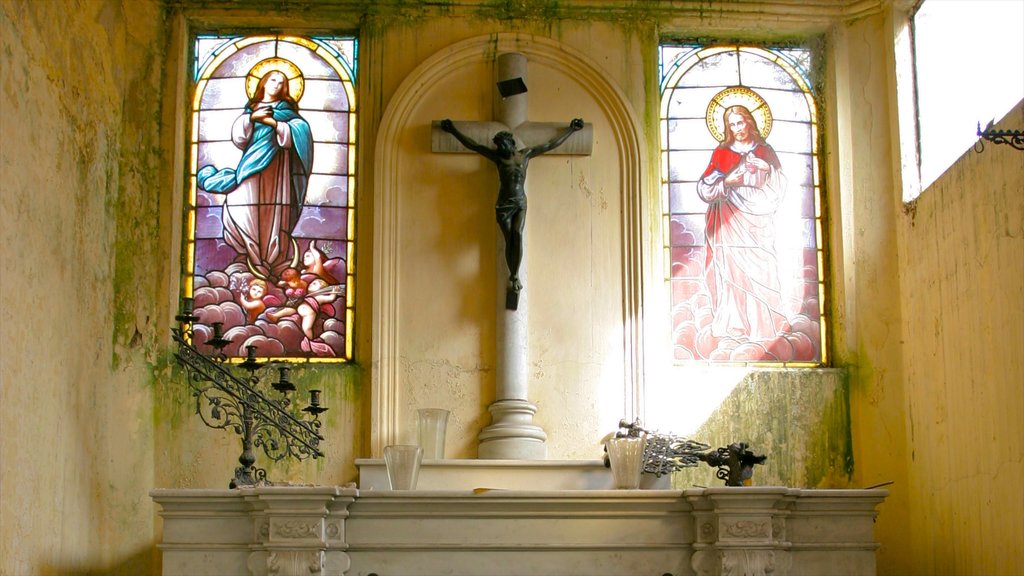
x,y
270,210
741,201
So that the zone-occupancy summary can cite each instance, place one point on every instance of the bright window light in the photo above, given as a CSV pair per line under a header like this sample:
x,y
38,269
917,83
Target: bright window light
x,y
969,61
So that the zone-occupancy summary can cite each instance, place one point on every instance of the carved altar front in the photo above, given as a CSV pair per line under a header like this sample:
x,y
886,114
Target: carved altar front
x,y
334,531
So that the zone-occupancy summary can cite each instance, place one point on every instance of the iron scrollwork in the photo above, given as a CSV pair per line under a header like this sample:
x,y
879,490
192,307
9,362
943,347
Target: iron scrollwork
x,y
233,402
1014,138
668,453
734,462
663,453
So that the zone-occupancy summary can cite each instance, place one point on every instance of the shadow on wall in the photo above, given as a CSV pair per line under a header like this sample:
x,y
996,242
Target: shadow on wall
x,y
799,419
145,561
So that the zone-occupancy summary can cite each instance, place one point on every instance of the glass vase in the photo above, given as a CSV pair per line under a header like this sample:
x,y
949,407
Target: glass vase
x,y
626,456
431,426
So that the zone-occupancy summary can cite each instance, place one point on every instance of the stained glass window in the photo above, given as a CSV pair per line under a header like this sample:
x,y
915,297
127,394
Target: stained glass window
x,y
270,206
741,202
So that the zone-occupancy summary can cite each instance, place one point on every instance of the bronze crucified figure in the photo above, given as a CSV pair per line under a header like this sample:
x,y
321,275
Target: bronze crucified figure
x,y
510,209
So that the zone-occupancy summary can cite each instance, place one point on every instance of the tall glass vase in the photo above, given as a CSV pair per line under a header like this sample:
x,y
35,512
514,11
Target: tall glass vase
x,y
431,425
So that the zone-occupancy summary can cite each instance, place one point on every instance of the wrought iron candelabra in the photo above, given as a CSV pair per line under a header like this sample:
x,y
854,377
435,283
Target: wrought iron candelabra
x,y
1014,138
734,462
233,402
668,453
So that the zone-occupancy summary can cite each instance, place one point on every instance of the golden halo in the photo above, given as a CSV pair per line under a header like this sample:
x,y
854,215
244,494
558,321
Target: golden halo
x,y
296,83
738,96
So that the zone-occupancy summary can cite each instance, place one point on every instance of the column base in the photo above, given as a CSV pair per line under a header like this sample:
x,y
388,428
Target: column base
x,y
512,434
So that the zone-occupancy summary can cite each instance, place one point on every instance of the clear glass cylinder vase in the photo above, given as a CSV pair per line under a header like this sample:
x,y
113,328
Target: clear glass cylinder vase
x,y
403,465
431,426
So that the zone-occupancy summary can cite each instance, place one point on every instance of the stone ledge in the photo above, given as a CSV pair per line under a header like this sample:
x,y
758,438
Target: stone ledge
x,y
450,474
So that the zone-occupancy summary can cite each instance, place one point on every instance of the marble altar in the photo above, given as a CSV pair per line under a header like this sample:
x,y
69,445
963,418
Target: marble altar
x,y
327,530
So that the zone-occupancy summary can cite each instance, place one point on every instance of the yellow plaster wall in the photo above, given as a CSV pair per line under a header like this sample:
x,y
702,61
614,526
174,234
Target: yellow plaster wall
x,y
866,327
929,321
962,268
91,423
80,269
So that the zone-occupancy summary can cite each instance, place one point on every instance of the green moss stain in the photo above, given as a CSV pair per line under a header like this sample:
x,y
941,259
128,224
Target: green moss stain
x,y
829,462
342,389
519,12
138,257
799,419
173,402
342,382
183,437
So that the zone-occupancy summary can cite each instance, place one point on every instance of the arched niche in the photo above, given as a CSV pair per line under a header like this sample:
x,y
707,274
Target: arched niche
x,y
411,184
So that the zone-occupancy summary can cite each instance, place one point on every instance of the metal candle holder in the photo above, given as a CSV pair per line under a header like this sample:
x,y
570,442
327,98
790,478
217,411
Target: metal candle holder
x,y
668,453
1014,138
230,402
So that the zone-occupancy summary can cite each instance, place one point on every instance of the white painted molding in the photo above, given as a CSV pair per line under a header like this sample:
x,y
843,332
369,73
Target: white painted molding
x,y
386,265
708,531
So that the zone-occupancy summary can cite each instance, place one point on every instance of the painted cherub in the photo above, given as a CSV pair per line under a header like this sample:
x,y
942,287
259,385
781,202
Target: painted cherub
x,y
294,288
293,285
313,263
251,299
320,295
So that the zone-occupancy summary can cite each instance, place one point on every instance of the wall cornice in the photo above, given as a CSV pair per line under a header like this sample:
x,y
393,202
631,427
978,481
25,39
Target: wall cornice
x,y
820,11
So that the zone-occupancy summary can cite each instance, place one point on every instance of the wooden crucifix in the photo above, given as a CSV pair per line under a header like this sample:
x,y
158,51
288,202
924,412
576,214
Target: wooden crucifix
x,y
510,159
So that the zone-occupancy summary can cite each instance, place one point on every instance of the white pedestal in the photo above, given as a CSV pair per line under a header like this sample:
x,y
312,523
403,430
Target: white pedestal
x,y
512,434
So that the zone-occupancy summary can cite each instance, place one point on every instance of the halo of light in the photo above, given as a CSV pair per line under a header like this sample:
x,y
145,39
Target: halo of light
x,y
296,82
737,96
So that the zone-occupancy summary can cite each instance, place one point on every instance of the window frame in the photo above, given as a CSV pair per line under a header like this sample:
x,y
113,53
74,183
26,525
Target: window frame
x,y
194,85
812,75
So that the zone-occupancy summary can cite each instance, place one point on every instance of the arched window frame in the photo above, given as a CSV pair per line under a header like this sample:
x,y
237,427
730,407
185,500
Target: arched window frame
x,y
677,59
338,53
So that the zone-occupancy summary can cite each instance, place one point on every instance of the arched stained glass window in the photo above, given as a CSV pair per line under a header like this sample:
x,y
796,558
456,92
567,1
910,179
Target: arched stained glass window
x,y
741,203
270,207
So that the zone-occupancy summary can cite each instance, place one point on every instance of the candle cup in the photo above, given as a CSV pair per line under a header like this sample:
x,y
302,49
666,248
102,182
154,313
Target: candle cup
x,y
626,456
283,385
432,424
403,465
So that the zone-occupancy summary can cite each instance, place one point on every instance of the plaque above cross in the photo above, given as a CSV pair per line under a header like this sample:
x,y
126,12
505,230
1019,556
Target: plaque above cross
x,y
516,140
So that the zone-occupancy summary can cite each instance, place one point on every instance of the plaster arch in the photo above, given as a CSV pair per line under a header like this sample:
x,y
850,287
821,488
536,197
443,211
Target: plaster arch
x,y
387,268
